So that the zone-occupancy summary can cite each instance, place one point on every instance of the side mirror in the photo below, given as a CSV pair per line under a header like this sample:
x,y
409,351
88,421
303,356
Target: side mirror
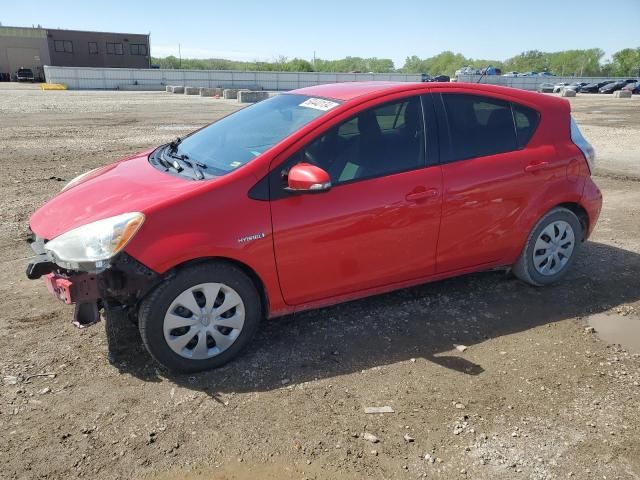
x,y
305,177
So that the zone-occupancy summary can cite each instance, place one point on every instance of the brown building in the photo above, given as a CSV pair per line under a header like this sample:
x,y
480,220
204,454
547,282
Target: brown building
x,y
35,47
75,48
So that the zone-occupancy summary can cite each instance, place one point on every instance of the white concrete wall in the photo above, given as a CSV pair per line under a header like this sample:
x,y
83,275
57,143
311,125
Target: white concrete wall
x,y
112,78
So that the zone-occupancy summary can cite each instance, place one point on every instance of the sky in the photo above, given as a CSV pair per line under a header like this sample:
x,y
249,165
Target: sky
x,y
259,30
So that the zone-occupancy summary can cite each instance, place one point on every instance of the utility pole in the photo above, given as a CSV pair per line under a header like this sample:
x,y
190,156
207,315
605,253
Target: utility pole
x,y
180,55
314,59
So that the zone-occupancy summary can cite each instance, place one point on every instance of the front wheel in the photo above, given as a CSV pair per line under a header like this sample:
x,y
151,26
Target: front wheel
x,y
550,249
201,318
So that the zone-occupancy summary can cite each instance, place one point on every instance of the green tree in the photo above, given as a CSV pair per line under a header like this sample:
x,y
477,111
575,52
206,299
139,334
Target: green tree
x,y
567,62
626,62
445,63
298,65
586,62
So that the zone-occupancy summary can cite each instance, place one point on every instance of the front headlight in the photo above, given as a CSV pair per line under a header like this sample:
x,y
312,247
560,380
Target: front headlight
x,y
95,242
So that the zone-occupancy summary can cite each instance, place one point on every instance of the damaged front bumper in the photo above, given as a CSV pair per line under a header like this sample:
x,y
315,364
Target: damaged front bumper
x,y
119,284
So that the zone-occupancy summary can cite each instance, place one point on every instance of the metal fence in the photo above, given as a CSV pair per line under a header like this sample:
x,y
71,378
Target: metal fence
x,y
529,83
154,79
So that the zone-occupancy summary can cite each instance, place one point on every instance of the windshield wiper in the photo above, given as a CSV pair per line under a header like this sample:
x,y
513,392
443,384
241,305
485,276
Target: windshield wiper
x,y
165,163
183,159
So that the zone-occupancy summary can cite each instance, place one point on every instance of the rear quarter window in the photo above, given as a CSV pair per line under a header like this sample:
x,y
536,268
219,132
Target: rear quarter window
x,y
526,120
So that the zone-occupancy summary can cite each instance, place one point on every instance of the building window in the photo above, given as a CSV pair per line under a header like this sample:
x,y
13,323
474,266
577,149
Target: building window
x,y
138,49
114,49
93,48
63,46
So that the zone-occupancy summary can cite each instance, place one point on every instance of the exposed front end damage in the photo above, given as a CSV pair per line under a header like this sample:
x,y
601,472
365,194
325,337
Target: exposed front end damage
x,y
119,284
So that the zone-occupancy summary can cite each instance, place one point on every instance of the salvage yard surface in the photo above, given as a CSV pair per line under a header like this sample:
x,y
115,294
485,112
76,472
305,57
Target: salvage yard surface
x,y
536,394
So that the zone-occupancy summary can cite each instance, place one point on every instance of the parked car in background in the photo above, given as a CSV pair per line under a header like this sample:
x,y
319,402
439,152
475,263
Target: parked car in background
x,y
24,75
270,211
491,70
441,78
559,86
511,74
575,86
615,86
632,87
529,74
546,74
467,71
594,87
546,88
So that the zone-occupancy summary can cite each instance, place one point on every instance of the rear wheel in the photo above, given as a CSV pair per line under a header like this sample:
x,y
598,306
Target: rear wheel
x,y
201,318
550,249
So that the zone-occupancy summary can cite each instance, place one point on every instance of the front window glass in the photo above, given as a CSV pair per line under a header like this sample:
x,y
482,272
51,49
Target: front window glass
x,y
381,141
235,140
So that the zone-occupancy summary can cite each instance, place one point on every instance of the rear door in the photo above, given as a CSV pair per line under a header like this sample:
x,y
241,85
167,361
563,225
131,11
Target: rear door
x,y
487,177
378,224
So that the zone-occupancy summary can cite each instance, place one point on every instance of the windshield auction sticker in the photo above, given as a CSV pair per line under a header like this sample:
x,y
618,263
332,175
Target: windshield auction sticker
x,y
319,104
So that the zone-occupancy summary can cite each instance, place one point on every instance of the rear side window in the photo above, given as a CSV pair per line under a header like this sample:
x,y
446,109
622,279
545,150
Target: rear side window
x,y
526,120
478,126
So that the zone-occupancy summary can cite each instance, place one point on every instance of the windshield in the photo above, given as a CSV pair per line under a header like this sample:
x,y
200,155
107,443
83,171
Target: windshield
x,y
238,138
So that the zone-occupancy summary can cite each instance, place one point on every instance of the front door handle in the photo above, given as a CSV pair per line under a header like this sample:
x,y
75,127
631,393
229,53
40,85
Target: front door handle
x,y
424,194
534,167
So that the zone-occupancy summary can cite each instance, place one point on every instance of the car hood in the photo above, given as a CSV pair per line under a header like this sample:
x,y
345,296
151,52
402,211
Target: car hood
x,y
129,185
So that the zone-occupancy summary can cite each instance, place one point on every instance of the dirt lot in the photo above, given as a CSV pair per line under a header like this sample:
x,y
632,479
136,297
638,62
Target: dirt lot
x,y
534,395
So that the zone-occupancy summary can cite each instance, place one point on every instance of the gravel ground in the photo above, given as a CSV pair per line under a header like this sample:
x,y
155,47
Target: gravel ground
x,y
536,394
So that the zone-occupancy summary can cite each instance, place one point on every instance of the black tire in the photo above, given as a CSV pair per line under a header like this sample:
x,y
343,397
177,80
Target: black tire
x,y
155,305
524,268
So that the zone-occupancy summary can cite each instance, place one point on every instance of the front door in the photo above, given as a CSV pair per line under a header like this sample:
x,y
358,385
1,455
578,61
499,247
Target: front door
x,y
377,225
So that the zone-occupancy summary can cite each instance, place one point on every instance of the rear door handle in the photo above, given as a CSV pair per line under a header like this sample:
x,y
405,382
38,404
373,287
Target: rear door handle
x,y
415,196
534,167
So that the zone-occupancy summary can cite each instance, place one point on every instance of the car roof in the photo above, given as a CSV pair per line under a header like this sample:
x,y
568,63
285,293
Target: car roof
x,y
348,91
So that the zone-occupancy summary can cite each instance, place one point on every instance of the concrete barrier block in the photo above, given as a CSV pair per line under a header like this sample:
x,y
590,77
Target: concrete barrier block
x,y
207,92
567,93
230,93
168,88
219,92
192,90
177,89
622,94
252,97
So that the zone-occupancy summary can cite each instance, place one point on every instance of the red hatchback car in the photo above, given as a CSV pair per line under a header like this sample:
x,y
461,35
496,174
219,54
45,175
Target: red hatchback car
x,y
314,197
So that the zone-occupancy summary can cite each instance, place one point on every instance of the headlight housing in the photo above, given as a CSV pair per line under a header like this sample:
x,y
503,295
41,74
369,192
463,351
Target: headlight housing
x,y
96,242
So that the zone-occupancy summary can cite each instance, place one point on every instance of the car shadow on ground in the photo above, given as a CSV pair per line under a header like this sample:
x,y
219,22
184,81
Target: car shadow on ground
x,y
420,322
